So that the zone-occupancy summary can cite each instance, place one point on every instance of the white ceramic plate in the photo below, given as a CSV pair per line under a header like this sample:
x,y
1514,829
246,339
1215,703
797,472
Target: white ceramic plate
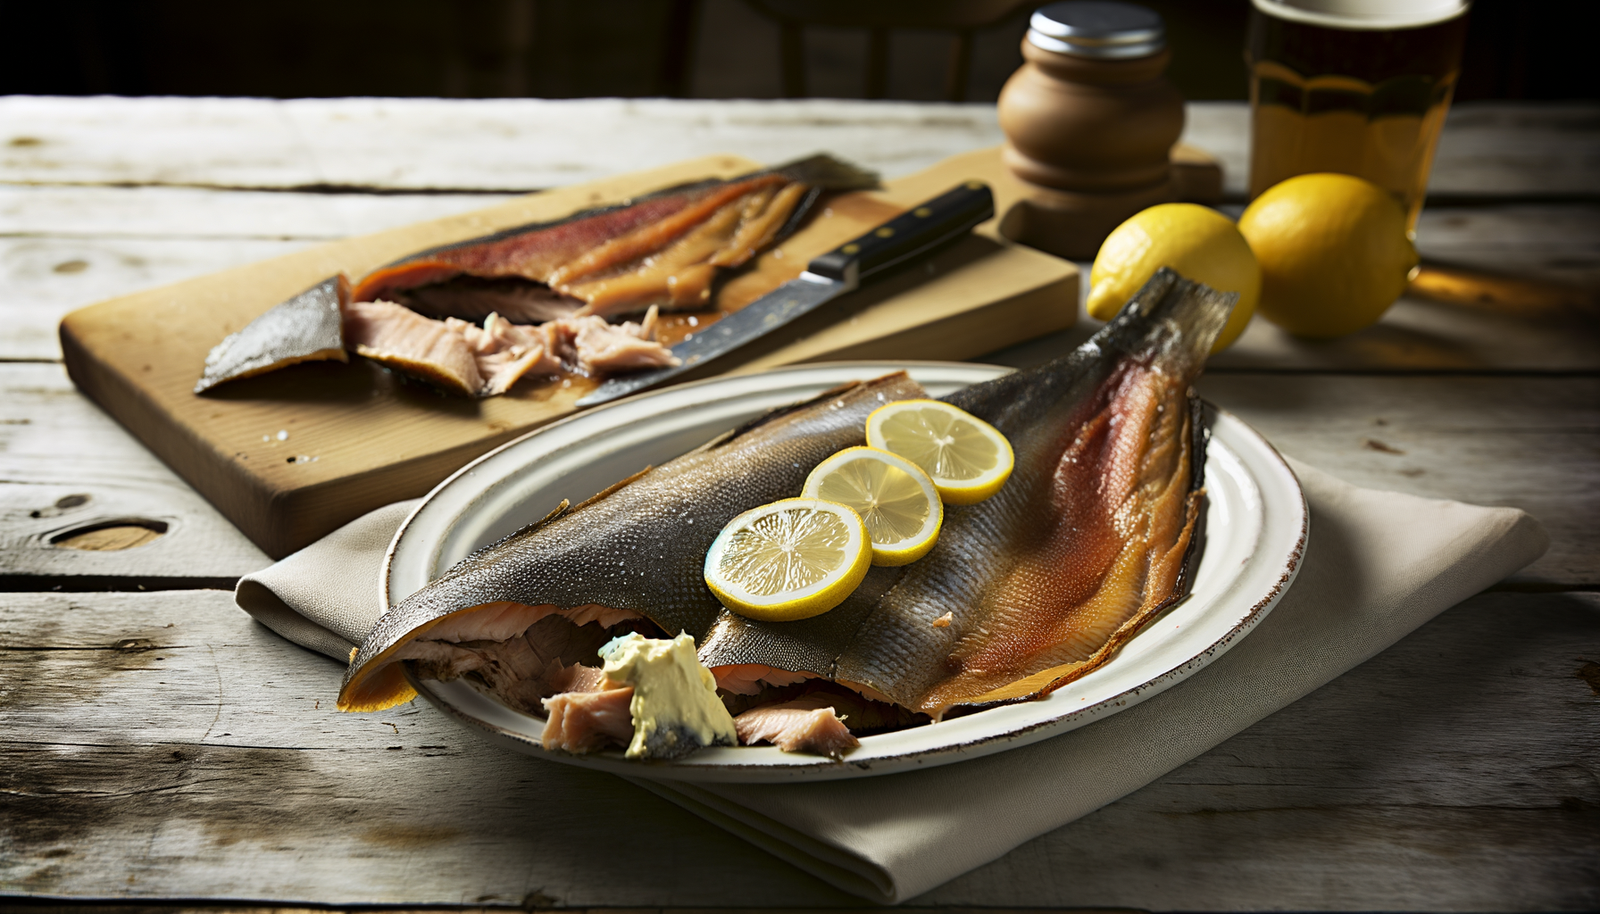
x,y
1255,528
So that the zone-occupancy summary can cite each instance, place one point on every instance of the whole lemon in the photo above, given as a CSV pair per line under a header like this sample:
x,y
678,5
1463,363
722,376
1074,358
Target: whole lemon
x,y
1200,243
1333,250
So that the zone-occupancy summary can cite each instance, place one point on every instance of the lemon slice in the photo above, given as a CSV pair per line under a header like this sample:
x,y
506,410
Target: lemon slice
x,y
967,458
896,500
792,559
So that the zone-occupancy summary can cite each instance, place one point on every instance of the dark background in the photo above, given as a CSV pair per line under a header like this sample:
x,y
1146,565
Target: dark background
x,y
1516,49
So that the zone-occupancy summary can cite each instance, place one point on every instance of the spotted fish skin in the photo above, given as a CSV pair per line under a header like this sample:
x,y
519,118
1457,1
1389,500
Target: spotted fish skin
x,y
640,545
1086,542
306,328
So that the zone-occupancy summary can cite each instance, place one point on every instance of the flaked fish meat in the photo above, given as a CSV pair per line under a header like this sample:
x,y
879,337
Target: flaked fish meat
x,y
588,720
405,340
810,725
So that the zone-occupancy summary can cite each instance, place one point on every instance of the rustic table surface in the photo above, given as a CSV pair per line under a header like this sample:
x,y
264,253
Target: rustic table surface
x,y
157,746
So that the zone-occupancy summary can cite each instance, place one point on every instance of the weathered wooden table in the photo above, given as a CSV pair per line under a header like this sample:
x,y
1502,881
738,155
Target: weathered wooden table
x,y
157,746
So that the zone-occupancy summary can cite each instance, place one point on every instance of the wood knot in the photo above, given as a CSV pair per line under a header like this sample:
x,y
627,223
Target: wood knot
x,y
111,535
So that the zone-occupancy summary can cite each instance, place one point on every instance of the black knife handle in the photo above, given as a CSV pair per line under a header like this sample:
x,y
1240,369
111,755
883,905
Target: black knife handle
x,y
928,225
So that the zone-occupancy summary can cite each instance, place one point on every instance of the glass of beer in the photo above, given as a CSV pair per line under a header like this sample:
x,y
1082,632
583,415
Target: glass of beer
x,y
1359,87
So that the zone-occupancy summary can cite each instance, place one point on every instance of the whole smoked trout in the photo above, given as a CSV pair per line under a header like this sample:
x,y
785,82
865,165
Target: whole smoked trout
x,y
1086,542
1089,540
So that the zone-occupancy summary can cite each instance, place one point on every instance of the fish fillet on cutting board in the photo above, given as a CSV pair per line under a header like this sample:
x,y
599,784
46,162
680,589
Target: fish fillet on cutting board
x,y
291,455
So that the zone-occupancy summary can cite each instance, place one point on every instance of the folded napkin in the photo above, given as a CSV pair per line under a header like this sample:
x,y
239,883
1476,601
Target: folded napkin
x,y
1377,566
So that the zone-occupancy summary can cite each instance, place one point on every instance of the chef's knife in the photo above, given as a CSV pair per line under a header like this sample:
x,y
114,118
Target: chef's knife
x,y
913,234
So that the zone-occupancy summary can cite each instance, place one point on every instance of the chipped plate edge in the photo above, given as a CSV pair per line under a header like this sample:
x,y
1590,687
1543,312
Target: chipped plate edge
x,y
461,513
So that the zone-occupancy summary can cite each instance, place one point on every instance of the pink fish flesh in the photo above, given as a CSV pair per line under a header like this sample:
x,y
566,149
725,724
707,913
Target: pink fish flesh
x,y
804,725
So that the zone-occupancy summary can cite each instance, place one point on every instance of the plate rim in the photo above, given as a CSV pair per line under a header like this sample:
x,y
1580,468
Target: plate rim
x,y
796,767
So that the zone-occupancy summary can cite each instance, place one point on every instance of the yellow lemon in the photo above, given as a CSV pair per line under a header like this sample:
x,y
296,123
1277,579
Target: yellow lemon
x,y
967,458
1200,243
792,559
1334,253
896,500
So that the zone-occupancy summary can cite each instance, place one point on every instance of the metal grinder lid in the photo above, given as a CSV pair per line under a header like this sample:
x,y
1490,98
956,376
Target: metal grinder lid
x,y
1093,28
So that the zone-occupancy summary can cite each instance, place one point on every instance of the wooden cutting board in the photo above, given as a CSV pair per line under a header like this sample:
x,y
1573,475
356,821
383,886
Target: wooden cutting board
x,y
291,455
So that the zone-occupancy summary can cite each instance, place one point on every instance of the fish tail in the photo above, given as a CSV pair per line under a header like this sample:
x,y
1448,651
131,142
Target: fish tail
x,y
825,171
1181,317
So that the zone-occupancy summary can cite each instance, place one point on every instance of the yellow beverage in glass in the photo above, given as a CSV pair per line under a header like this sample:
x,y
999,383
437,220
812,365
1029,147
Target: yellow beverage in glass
x,y
1358,87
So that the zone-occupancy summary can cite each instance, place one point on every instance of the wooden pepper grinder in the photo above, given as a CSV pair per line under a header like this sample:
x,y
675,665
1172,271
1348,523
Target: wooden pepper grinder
x,y
1090,123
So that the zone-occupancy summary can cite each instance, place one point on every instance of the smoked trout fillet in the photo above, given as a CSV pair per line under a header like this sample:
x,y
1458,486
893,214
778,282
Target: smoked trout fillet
x,y
1041,583
664,249
631,558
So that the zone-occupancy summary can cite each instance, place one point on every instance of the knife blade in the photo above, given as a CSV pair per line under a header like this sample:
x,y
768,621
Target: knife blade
x,y
913,234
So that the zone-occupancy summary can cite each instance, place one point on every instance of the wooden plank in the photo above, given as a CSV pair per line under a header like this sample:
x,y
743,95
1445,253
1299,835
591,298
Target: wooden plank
x,y
1458,437
191,213
43,278
1495,150
65,466
62,248
1419,335
435,144
210,769
1488,150
1450,773
53,906
1556,243
1423,780
1528,443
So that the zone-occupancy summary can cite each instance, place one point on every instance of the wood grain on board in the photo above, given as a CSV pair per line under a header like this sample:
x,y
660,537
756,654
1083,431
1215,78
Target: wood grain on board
x,y
291,455
214,766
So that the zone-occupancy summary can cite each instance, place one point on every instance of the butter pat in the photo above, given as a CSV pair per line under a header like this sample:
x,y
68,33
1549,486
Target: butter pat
x,y
675,706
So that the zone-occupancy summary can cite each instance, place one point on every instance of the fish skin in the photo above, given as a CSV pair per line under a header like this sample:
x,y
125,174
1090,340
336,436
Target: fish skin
x,y
593,244
639,545
529,252
473,299
306,327
1089,538
1022,556
810,646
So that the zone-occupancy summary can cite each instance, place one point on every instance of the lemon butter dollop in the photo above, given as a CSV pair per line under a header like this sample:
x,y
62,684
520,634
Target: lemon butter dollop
x,y
675,707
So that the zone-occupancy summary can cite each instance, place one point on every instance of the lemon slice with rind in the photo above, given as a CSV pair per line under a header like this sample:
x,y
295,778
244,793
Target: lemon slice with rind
x,y
896,500
967,458
792,559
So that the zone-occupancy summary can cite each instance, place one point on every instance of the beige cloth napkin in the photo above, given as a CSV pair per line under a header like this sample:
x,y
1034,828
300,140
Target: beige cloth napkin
x,y
1377,566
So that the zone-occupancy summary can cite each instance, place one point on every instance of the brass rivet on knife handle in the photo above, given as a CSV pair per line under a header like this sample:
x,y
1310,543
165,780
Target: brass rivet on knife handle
x,y
935,222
